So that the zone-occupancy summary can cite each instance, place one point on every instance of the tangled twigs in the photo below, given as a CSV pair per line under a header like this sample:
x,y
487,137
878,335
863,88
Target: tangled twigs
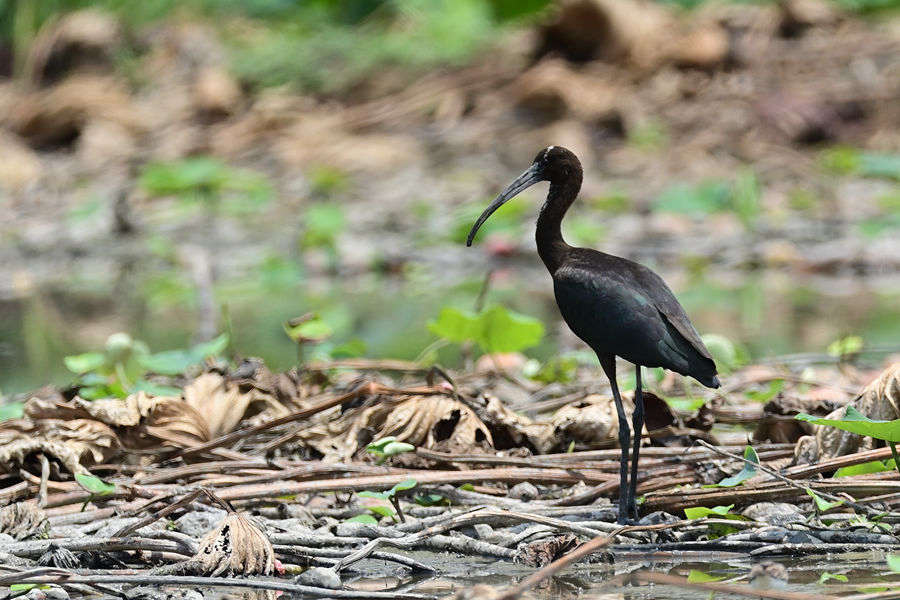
x,y
365,388
61,577
792,483
187,499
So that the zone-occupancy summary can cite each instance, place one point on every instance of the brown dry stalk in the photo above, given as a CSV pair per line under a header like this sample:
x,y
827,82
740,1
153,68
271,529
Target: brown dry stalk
x,y
384,482
838,462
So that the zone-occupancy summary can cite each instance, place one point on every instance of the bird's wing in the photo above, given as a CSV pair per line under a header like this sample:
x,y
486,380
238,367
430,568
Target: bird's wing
x,y
669,307
606,269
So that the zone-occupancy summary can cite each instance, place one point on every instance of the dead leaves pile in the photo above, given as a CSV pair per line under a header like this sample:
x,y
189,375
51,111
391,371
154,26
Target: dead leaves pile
x,y
425,421
880,400
78,433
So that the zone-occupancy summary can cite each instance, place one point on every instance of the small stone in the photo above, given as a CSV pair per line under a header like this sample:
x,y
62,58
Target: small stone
x,y
320,577
774,513
198,523
54,592
483,531
524,491
155,593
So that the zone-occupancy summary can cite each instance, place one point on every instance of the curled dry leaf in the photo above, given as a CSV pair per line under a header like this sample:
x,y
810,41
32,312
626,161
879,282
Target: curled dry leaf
x,y
880,401
235,547
419,420
589,421
224,405
72,442
544,552
519,429
212,405
23,520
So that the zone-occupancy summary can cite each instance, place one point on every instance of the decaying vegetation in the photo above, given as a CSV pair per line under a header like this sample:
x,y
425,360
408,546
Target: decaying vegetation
x,y
323,471
353,477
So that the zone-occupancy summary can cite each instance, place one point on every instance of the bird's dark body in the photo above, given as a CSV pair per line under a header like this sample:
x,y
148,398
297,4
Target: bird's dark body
x,y
619,307
616,306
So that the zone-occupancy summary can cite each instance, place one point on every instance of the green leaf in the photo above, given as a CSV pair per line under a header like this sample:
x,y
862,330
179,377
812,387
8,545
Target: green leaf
x,y
189,175
406,484
506,331
382,511
467,487
696,576
826,576
855,422
455,325
83,363
696,200
821,503
376,495
762,396
847,346
379,444
367,519
430,500
723,351
312,330
698,512
494,330
175,362
686,405
394,448
169,362
94,484
155,389
324,222
875,466
886,166
13,410
744,474
213,347
349,349
560,369
24,587
893,562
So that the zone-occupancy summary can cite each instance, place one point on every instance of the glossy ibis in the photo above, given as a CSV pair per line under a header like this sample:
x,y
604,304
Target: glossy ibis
x,y
616,306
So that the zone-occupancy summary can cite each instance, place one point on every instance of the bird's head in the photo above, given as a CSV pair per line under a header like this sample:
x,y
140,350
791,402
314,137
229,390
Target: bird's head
x,y
554,164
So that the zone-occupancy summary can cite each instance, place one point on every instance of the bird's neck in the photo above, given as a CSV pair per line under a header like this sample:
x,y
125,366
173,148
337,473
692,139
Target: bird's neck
x,y
551,246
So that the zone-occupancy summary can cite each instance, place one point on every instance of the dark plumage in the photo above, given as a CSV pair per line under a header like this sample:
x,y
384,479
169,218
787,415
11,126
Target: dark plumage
x,y
616,306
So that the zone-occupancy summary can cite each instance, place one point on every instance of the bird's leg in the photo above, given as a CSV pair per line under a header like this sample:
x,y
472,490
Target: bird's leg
x,y
638,426
609,367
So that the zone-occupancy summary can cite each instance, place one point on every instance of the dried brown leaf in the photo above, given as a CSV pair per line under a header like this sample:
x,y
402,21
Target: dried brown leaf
x,y
880,400
236,547
419,420
520,429
23,520
589,421
72,443
223,405
544,552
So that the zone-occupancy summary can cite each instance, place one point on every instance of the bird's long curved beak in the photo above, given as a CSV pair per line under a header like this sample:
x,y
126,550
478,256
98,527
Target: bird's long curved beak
x,y
522,182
